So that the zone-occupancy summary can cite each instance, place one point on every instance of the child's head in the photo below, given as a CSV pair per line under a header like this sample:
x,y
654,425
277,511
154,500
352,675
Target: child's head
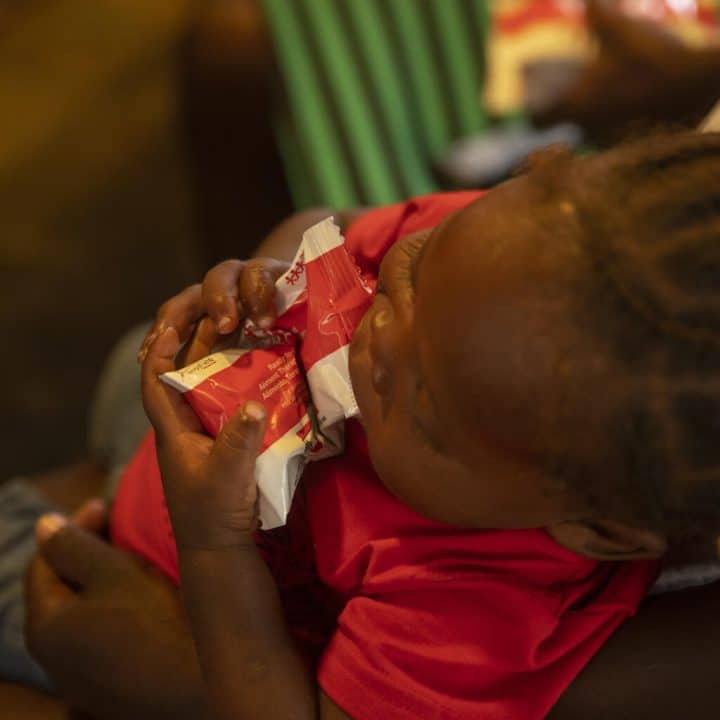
x,y
550,356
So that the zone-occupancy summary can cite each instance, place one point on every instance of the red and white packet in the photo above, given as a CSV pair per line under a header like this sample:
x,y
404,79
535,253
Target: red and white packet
x,y
298,370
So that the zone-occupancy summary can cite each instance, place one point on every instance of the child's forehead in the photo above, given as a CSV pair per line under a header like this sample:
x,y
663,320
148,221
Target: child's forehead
x,y
504,206
513,223
509,241
494,317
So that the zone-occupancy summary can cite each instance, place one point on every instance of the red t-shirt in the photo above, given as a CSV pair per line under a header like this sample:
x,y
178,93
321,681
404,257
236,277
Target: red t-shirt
x,y
405,617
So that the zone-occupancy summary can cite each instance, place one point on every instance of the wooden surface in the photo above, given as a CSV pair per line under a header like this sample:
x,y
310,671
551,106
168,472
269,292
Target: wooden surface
x,y
96,224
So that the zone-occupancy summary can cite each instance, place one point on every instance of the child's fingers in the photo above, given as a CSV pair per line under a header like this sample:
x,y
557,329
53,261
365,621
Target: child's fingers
x,y
220,295
257,289
181,312
202,341
165,407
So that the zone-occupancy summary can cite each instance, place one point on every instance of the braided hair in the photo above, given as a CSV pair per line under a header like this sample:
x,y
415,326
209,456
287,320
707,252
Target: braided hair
x,y
649,215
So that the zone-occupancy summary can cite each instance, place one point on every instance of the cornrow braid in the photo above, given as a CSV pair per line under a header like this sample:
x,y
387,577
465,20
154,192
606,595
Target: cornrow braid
x,y
650,156
649,214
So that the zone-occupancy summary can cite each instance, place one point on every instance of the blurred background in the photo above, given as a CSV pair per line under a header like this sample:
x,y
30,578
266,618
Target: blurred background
x,y
96,216
140,142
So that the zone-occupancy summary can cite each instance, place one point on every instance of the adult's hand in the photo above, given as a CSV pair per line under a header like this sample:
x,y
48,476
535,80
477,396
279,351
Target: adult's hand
x,y
111,634
642,76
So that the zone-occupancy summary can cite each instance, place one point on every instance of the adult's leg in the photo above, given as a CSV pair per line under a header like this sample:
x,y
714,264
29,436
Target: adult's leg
x,y
116,421
20,507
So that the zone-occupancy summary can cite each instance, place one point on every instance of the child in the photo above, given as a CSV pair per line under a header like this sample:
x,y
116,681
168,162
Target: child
x,y
535,379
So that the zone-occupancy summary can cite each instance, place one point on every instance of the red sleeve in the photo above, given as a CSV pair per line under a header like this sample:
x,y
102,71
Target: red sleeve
x,y
371,235
139,520
473,647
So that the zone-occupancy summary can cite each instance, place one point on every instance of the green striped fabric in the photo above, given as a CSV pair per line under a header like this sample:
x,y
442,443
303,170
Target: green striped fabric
x,y
375,91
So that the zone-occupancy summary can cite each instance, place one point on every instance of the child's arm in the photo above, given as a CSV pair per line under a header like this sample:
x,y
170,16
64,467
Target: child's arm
x,y
284,240
251,666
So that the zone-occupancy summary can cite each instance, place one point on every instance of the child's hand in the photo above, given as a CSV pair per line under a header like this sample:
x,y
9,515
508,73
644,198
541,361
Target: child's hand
x,y
209,484
203,313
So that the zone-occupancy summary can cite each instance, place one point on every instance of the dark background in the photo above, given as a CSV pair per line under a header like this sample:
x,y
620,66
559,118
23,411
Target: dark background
x,y
96,219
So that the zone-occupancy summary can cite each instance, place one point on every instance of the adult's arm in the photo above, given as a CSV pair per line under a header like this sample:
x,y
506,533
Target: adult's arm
x,y
662,663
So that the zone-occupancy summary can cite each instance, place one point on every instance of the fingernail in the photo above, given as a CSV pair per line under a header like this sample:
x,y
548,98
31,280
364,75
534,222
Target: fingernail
x,y
265,322
48,525
255,411
224,323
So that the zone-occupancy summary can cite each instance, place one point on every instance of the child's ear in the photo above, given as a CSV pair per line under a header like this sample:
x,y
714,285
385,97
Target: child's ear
x,y
609,540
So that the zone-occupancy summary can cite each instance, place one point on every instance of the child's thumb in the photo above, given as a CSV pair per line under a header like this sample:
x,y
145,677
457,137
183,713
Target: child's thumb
x,y
238,444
